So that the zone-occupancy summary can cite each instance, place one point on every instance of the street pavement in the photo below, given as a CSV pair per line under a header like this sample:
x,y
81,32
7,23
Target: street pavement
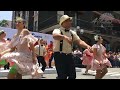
x,y
50,73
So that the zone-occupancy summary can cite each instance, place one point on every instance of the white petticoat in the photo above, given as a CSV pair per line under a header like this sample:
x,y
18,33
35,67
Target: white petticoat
x,y
24,63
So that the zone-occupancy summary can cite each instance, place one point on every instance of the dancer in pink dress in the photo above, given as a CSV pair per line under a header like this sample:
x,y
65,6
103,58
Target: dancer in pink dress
x,y
3,47
3,41
100,62
21,52
87,60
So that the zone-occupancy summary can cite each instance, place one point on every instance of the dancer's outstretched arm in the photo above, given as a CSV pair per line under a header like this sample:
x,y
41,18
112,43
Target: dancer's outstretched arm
x,y
8,50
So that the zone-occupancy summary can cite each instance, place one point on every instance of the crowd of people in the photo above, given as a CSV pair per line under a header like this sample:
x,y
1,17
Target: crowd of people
x,y
25,53
113,57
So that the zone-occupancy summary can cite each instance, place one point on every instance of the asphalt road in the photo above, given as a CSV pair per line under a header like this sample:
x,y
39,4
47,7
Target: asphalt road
x,y
113,73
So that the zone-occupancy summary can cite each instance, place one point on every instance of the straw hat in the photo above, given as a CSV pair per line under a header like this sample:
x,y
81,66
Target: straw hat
x,y
64,18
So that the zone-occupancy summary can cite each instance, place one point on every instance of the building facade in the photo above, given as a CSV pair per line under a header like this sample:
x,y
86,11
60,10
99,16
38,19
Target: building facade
x,y
39,21
27,15
91,22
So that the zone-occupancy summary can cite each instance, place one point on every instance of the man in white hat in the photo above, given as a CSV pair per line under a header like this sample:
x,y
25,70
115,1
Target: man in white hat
x,y
40,51
63,42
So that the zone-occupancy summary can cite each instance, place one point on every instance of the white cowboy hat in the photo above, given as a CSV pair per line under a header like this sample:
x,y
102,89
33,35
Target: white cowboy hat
x,y
64,18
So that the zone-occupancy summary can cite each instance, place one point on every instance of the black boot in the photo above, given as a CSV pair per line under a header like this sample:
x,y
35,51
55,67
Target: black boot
x,y
8,66
5,67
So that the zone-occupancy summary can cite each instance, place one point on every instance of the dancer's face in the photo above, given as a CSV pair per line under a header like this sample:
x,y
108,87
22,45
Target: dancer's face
x,y
3,35
19,24
101,40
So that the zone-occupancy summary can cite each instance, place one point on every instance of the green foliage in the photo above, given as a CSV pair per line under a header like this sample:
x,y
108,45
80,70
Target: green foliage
x,y
3,23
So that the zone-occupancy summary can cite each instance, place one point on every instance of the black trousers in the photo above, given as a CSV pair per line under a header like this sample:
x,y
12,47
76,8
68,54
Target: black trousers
x,y
50,60
42,61
65,66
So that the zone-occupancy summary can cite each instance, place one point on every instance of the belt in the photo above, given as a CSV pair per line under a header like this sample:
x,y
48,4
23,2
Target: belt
x,y
64,53
40,56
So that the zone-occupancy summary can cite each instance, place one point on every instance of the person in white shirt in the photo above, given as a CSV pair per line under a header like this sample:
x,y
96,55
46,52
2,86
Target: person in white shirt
x,y
62,47
40,52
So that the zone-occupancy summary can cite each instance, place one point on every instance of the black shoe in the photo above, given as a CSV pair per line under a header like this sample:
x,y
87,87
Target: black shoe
x,y
57,77
50,67
43,76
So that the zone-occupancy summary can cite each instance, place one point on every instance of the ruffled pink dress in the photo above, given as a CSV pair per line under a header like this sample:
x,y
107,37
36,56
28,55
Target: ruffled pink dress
x,y
22,57
101,58
87,57
4,45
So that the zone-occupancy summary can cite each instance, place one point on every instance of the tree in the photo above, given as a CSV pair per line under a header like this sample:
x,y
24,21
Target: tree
x,y
3,23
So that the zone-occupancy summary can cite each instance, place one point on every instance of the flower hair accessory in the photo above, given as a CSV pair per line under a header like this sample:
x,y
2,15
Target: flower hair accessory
x,y
1,31
96,37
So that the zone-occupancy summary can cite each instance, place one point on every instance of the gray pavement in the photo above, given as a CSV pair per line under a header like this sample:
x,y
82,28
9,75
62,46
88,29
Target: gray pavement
x,y
113,73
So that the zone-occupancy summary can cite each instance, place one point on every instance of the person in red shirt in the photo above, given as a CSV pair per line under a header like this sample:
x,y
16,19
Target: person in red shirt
x,y
50,48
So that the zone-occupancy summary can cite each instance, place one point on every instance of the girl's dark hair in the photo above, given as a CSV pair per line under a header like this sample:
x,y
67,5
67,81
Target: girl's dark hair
x,y
1,32
24,22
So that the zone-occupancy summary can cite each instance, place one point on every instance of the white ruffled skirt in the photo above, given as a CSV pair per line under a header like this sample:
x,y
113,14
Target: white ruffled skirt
x,y
24,63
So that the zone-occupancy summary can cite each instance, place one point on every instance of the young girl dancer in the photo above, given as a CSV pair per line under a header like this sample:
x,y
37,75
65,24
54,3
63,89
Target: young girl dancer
x,y
100,62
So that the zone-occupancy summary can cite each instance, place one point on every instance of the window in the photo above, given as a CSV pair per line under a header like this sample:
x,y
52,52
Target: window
x,y
18,14
36,26
35,12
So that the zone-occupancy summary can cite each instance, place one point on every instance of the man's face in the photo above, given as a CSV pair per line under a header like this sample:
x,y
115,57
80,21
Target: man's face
x,y
67,23
41,41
